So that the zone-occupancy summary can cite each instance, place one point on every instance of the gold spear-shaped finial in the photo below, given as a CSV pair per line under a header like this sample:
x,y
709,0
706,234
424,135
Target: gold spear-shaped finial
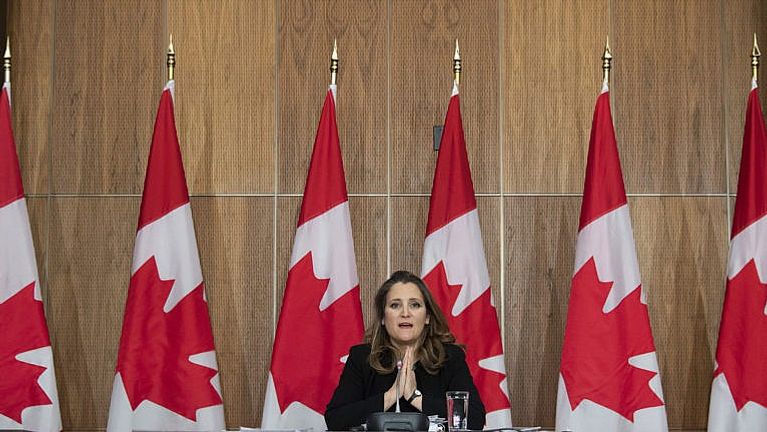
x,y
457,63
7,60
607,58
171,57
334,63
755,53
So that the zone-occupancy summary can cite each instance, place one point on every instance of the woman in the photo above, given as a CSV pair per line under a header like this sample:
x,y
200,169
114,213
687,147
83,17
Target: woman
x,y
408,328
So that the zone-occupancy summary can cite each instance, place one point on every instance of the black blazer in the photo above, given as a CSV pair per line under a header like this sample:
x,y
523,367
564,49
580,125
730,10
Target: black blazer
x,y
361,390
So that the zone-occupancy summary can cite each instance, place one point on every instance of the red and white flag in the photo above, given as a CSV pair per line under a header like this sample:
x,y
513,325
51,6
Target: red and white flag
x,y
166,376
609,379
28,397
739,389
455,270
321,315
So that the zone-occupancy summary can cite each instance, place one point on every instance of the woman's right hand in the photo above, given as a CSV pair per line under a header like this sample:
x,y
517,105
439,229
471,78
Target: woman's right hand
x,y
407,381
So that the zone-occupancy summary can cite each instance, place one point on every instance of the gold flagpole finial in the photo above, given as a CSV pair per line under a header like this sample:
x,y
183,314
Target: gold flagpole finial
x,y
7,60
171,58
457,63
607,58
755,54
334,63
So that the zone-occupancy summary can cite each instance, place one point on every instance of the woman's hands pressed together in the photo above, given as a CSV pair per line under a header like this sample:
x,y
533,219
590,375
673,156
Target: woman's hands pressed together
x,y
407,382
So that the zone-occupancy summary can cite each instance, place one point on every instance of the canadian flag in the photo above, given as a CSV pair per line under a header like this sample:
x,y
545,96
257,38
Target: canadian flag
x,y
739,389
609,379
166,376
28,397
455,270
321,315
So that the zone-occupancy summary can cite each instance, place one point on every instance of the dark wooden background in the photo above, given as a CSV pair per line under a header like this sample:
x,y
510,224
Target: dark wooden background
x,y
251,77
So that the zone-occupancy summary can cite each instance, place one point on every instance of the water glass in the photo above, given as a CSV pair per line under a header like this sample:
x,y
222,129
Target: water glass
x,y
457,409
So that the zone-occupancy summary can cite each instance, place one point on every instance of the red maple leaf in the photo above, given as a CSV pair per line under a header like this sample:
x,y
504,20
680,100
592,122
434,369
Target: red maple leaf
x,y
155,346
309,343
22,321
597,347
741,351
477,328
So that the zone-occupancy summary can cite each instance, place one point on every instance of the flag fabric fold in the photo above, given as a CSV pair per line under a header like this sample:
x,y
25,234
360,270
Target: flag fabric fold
x,y
166,378
739,388
609,379
455,270
28,395
321,314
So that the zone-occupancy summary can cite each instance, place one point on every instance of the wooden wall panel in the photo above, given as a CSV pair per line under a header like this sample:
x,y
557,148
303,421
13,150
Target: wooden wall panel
x,y
37,208
31,88
234,235
540,254
288,209
423,37
666,98
551,77
108,75
741,20
91,245
225,93
369,228
306,33
408,227
682,246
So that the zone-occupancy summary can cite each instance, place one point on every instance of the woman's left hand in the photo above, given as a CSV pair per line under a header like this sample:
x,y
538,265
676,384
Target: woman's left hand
x,y
409,384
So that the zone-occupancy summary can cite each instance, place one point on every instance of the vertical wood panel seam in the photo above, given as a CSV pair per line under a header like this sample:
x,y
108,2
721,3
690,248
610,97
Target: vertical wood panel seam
x,y
501,207
388,135
725,113
276,160
49,198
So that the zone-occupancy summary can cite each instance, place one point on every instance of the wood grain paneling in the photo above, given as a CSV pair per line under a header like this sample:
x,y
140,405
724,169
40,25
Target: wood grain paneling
x,y
234,235
409,216
108,75
423,35
369,228
551,77
307,30
682,246
225,93
91,244
37,208
666,97
288,209
368,215
31,95
408,227
741,20
540,253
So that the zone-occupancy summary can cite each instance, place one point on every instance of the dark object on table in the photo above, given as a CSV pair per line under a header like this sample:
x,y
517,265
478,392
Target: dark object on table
x,y
402,421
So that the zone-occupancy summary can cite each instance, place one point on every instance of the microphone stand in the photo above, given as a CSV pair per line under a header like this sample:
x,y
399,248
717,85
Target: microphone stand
x,y
396,383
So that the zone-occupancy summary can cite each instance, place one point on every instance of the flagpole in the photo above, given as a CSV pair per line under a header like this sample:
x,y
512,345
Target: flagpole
x,y
334,63
171,59
755,54
457,63
607,58
7,60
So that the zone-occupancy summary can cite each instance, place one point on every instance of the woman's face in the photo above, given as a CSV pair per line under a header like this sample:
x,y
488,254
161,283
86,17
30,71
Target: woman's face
x,y
405,314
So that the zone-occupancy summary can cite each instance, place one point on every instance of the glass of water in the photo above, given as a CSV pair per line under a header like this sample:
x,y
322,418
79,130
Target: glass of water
x,y
457,409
